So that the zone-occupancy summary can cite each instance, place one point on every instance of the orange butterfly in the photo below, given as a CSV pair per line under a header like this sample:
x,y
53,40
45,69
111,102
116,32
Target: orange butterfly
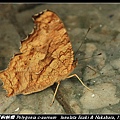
x,y
45,57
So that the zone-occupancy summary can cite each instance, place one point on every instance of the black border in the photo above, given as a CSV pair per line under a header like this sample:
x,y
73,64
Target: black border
x,y
60,116
61,2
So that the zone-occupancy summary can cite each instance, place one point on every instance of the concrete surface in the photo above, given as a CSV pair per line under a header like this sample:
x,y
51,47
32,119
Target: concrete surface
x,y
99,72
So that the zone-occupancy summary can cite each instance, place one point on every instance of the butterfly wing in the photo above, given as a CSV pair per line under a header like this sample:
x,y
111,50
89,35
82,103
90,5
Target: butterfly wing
x,y
45,57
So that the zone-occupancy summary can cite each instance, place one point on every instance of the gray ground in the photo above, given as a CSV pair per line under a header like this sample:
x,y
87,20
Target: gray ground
x,y
102,75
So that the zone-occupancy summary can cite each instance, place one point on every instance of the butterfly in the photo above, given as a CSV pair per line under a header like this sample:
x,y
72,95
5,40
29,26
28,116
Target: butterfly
x,y
46,56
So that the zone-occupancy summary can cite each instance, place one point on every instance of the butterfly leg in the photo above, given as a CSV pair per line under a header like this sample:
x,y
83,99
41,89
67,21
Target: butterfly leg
x,y
75,75
55,93
92,69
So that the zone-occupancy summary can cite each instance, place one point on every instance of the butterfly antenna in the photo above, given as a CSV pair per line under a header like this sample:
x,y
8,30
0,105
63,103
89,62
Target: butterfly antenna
x,y
92,56
84,38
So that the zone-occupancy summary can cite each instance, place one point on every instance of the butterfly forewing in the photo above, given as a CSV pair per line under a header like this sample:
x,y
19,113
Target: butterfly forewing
x,y
45,57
